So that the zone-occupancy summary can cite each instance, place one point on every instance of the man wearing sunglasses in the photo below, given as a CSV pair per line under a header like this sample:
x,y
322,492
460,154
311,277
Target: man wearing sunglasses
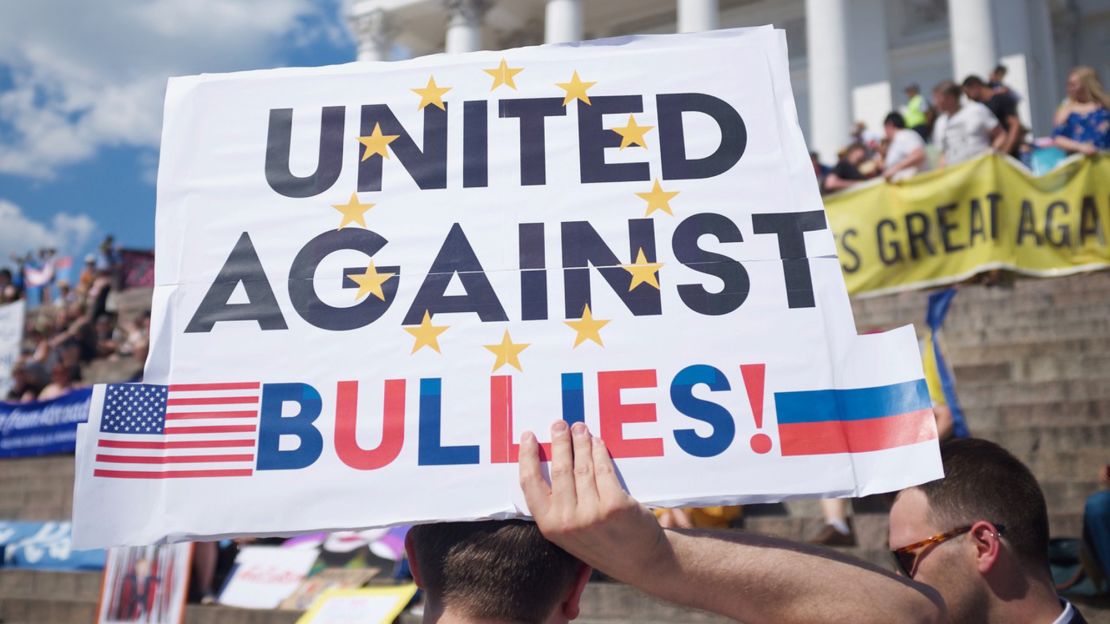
x,y
980,537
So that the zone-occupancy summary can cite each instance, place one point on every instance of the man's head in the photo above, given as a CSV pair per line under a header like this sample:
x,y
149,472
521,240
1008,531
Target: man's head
x,y
975,89
855,154
892,124
998,74
946,96
912,90
495,571
989,492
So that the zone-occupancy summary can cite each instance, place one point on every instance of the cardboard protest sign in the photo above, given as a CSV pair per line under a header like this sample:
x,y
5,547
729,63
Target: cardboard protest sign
x,y
264,576
327,579
372,605
372,277
146,584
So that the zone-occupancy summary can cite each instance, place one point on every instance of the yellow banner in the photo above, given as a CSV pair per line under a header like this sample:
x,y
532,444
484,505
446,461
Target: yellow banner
x,y
944,226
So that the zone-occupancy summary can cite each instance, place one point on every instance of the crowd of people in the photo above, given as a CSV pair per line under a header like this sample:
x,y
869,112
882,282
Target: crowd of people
x,y
964,121
73,326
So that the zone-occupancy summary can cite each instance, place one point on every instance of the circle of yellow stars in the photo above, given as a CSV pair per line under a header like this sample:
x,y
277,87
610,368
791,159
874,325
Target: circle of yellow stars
x,y
587,328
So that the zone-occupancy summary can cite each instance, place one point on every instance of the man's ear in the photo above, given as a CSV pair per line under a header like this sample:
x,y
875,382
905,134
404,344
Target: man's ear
x,y
570,605
988,545
414,567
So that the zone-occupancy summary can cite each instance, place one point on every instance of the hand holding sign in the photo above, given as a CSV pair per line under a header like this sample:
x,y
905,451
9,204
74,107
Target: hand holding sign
x,y
586,511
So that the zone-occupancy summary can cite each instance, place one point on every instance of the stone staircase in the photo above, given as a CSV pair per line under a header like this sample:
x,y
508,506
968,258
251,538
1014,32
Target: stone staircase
x,y
1031,364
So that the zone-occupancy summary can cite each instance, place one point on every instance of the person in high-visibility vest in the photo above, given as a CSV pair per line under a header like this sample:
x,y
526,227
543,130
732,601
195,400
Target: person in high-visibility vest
x,y
916,111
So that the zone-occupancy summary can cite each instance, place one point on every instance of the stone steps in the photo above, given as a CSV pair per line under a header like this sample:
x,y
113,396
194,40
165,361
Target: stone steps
x,y
971,354
1049,366
71,597
1049,414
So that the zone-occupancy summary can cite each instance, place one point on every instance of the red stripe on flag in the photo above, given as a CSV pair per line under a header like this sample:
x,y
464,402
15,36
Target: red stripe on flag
x,y
177,459
174,444
212,429
857,436
171,474
212,400
199,387
188,415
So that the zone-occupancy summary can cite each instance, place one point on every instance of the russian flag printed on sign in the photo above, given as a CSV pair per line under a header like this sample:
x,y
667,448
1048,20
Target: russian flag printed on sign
x,y
857,420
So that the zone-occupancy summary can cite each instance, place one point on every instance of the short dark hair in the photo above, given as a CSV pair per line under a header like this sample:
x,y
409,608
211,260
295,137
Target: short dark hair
x,y
1000,69
502,570
983,481
974,81
947,87
895,119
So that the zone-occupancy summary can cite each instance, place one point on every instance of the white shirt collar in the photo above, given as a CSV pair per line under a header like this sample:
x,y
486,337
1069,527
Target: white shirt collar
x,y
1066,615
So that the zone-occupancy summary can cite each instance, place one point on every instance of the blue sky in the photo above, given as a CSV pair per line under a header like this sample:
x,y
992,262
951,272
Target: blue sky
x,y
81,101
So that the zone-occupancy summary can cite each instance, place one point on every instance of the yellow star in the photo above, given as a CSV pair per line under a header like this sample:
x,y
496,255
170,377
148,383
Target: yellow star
x,y
576,89
426,334
431,94
353,211
632,134
376,143
643,272
588,328
658,199
508,352
503,75
371,282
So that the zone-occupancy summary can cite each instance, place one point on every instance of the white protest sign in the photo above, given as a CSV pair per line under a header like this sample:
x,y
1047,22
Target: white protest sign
x,y
11,333
263,576
372,277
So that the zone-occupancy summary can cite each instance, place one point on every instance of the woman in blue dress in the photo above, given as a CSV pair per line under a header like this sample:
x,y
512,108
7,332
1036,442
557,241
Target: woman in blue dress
x,y
1083,120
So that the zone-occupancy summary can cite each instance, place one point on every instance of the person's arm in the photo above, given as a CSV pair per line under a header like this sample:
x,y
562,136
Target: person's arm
x,y
836,183
1011,135
1062,113
914,159
1071,145
998,138
750,578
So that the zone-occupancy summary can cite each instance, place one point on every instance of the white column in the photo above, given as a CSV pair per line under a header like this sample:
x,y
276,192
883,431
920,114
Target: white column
x,y
829,88
697,15
464,27
374,31
869,66
971,27
563,21
1028,52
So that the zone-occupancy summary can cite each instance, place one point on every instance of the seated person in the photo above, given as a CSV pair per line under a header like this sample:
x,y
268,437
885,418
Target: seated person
x,y
1083,121
493,572
846,173
905,155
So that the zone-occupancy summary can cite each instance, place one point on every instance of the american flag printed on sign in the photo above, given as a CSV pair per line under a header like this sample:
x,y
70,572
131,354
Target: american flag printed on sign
x,y
178,431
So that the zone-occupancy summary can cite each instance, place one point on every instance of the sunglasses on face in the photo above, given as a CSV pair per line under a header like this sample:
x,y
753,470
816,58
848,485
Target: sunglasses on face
x,y
907,557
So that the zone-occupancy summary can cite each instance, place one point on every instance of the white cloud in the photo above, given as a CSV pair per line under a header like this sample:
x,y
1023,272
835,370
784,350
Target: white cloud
x,y
20,234
90,74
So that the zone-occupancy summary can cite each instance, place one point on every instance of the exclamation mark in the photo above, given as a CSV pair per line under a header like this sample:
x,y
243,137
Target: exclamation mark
x,y
753,381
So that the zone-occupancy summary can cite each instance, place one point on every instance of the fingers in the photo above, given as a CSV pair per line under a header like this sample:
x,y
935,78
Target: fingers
x,y
584,485
605,473
562,467
536,491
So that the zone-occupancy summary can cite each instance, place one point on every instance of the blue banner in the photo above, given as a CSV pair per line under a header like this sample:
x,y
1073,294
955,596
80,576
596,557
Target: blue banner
x,y
45,546
43,427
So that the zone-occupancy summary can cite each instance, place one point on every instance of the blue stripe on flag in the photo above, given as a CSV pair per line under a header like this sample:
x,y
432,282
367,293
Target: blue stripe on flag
x,y
808,406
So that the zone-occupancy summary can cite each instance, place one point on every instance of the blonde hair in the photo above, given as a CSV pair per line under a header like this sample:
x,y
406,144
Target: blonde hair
x,y
1089,79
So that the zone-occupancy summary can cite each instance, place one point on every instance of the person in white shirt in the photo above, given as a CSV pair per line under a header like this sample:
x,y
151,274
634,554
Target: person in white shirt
x,y
963,130
905,156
